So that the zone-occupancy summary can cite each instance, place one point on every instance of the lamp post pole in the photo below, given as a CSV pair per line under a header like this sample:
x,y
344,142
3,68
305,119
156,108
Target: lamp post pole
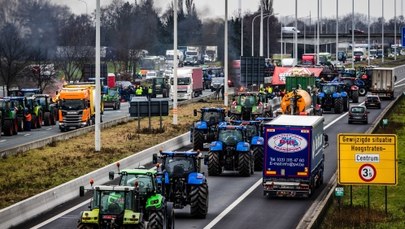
x,y
368,42
382,30
337,30
253,31
353,34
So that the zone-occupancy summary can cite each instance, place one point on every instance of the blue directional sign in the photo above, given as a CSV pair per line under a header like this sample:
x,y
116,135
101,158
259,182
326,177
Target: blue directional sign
x,y
403,36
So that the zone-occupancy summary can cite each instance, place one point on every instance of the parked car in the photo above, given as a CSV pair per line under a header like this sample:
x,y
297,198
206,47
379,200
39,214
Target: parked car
x,y
373,101
358,114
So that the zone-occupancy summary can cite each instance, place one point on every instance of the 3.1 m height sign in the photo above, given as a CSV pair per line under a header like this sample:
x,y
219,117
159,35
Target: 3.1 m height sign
x,y
367,159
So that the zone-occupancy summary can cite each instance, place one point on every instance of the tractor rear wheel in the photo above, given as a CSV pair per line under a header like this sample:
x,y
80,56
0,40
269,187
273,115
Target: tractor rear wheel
x,y
156,219
214,165
362,91
8,127
244,164
34,122
258,156
198,140
47,119
169,216
81,225
20,121
39,120
199,201
345,104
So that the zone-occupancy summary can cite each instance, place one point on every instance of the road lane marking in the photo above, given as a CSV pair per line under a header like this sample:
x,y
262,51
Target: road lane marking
x,y
233,205
59,215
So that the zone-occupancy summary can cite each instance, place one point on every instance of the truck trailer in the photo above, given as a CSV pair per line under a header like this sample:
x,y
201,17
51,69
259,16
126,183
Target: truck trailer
x,y
293,156
189,83
383,80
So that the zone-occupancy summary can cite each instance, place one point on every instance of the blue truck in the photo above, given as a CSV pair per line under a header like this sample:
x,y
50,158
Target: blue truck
x,y
293,156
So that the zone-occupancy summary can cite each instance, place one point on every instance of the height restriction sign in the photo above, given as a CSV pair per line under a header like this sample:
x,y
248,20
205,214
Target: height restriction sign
x,y
367,159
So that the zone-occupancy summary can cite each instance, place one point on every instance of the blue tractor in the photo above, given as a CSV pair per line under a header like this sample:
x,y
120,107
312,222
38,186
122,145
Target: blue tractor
x,y
181,181
231,151
254,132
205,130
333,96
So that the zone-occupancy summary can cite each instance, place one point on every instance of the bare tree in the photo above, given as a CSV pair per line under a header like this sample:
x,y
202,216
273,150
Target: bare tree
x,y
13,53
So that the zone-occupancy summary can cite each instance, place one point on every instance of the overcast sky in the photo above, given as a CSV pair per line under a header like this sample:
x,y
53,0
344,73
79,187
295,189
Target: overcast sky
x,y
216,8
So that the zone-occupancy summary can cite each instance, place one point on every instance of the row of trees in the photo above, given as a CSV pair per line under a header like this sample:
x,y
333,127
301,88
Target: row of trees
x,y
36,32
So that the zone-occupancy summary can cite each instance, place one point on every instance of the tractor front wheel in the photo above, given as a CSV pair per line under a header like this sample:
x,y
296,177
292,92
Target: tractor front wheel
x,y
156,219
214,165
199,201
244,164
198,140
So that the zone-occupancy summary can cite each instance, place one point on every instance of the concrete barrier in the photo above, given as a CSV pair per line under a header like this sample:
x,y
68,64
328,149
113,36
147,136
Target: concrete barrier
x,y
43,202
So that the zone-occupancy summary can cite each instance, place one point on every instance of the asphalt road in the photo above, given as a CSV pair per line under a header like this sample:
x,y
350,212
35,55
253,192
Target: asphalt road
x,y
238,202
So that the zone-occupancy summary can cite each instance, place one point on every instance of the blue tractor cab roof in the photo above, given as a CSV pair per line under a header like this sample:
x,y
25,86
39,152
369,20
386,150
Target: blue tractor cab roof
x,y
212,109
180,153
244,122
15,97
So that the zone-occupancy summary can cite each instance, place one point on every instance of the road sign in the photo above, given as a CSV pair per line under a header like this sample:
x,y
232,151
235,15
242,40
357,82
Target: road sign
x,y
403,36
367,159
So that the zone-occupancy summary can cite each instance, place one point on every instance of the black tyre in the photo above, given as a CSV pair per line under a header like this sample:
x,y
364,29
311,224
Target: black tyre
x,y
198,140
214,165
199,201
54,118
15,127
156,219
355,96
115,107
244,164
81,225
345,104
169,216
338,106
258,155
8,127
362,91
47,119
20,123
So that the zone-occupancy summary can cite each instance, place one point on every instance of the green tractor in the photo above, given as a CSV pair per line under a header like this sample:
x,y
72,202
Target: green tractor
x,y
113,207
248,106
8,123
19,103
153,205
49,108
112,99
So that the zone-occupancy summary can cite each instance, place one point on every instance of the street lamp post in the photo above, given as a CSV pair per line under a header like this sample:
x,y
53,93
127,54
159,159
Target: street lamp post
x,y
353,34
253,30
382,30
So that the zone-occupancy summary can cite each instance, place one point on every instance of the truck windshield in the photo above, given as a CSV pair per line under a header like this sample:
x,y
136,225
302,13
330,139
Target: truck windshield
x,y
72,104
230,137
183,81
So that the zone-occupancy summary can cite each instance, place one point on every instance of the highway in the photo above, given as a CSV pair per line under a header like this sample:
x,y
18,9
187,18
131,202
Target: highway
x,y
238,202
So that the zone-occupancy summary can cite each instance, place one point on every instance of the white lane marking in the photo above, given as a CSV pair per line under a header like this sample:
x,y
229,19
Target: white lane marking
x,y
27,135
49,128
230,207
399,85
3,140
59,215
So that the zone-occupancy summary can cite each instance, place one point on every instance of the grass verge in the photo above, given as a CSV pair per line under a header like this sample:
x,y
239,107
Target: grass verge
x,y
32,172
358,214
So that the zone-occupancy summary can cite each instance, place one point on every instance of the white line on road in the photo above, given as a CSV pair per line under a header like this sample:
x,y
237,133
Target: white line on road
x,y
3,140
59,215
230,207
27,135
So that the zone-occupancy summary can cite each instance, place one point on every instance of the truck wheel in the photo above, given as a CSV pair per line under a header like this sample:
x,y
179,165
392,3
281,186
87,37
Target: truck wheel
x,y
345,104
8,127
338,106
244,164
259,156
198,140
199,201
156,219
214,165
355,96
47,119
362,91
